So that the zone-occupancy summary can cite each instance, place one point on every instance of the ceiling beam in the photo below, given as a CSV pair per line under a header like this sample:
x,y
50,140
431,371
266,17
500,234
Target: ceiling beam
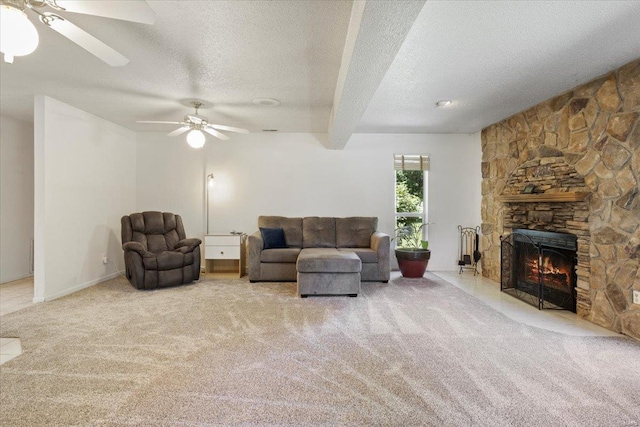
x,y
376,32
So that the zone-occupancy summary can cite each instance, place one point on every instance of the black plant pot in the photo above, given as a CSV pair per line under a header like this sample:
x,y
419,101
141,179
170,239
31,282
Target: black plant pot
x,y
413,262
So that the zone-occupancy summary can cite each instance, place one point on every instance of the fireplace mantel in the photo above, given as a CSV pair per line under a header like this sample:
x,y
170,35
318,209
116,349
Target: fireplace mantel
x,y
568,196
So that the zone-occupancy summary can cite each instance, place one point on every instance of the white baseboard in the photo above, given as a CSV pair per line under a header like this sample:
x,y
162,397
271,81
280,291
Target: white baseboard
x,y
78,287
14,278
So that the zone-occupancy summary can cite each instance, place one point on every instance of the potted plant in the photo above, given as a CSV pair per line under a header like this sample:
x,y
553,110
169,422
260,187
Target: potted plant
x,y
412,252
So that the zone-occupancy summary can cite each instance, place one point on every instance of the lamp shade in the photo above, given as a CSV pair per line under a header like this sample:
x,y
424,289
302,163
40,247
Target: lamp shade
x,y
18,36
196,138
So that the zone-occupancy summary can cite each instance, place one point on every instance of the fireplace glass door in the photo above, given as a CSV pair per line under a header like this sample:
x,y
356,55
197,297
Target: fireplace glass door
x,y
539,268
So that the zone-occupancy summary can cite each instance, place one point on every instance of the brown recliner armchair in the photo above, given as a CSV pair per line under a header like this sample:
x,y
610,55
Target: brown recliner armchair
x,y
157,252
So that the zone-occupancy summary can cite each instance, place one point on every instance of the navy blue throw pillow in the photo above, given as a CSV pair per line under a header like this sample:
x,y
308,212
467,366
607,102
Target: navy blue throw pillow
x,y
273,238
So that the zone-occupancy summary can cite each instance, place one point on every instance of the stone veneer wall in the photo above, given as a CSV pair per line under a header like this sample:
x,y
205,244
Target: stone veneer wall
x,y
587,139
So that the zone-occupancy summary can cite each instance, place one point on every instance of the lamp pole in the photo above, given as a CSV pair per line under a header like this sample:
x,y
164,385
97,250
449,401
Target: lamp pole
x,y
209,184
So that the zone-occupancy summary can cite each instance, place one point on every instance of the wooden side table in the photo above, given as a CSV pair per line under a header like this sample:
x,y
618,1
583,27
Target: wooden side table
x,y
225,253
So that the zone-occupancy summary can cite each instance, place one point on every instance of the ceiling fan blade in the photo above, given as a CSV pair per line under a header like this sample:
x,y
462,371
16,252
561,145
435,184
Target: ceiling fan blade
x,y
216,134
153,121
128,10
88,42
195,119
228,128
179,131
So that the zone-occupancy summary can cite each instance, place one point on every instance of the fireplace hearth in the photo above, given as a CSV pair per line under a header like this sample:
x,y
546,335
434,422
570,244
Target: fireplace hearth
x,y
538,267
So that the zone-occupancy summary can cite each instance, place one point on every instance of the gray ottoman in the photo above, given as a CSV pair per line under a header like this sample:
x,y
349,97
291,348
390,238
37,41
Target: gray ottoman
x,y
327,271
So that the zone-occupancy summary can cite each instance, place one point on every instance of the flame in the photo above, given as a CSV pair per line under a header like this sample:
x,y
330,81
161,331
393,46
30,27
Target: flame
x,y
556,274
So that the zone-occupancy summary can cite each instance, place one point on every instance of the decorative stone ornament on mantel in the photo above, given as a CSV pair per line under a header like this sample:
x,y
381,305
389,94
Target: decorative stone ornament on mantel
x,y
584,141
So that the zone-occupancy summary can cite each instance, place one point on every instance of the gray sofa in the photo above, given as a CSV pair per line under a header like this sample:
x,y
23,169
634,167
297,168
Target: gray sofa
x,y
356,235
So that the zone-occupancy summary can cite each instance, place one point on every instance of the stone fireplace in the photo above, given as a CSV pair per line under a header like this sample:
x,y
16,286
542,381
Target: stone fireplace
x,y
557,203
581,152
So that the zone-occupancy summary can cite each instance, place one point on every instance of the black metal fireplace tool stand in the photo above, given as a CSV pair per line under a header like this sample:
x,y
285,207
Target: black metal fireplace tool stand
x,y
468,248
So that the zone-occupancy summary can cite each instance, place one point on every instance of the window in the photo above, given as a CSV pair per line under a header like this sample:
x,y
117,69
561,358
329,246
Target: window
x,y
412,177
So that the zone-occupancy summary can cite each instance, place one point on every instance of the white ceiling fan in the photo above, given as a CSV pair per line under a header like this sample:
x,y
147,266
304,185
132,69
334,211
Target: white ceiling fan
x,y
19,36
195,124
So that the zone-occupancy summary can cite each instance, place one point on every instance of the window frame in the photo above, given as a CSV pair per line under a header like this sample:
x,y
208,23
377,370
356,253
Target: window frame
x,y
424,215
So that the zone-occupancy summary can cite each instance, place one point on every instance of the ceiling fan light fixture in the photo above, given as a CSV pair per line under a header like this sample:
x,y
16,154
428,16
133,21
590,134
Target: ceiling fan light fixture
x,y
196,138
18,36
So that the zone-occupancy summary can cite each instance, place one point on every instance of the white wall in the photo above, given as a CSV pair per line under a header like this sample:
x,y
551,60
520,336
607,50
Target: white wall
x,y
84,182
295,175
16,198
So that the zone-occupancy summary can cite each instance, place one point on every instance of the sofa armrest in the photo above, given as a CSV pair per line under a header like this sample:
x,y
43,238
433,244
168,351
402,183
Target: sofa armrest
x,y
381,243
191,244
135,247
255,250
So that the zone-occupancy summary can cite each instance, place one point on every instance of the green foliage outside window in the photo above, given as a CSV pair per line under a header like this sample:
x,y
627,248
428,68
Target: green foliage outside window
x,y
413,180
409,199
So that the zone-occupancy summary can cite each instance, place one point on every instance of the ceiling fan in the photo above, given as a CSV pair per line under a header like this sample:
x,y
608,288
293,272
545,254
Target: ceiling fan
x,y
195,124
19,36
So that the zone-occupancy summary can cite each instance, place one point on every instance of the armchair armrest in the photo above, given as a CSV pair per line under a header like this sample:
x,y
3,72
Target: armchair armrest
x,y
135,247
191,244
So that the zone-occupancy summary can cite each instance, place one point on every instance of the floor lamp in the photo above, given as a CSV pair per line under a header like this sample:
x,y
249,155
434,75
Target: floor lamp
x,y
209,186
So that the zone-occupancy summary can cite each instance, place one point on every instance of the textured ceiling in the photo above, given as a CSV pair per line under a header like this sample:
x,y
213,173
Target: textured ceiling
x,y
492,58
226,53
496,58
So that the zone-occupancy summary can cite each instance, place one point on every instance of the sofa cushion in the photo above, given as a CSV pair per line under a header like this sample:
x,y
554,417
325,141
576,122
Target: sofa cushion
x,y
292,228
165,260
355,232
141,227
150,223
168,260
273,238
280,255
156,243
366,255
327,260
318,232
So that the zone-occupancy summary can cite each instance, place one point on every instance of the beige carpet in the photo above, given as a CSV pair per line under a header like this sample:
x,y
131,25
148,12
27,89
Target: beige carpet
x,y
411,352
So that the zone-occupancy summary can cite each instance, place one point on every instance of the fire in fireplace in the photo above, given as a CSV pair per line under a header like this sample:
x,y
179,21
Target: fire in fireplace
x,y
556,271
539,267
